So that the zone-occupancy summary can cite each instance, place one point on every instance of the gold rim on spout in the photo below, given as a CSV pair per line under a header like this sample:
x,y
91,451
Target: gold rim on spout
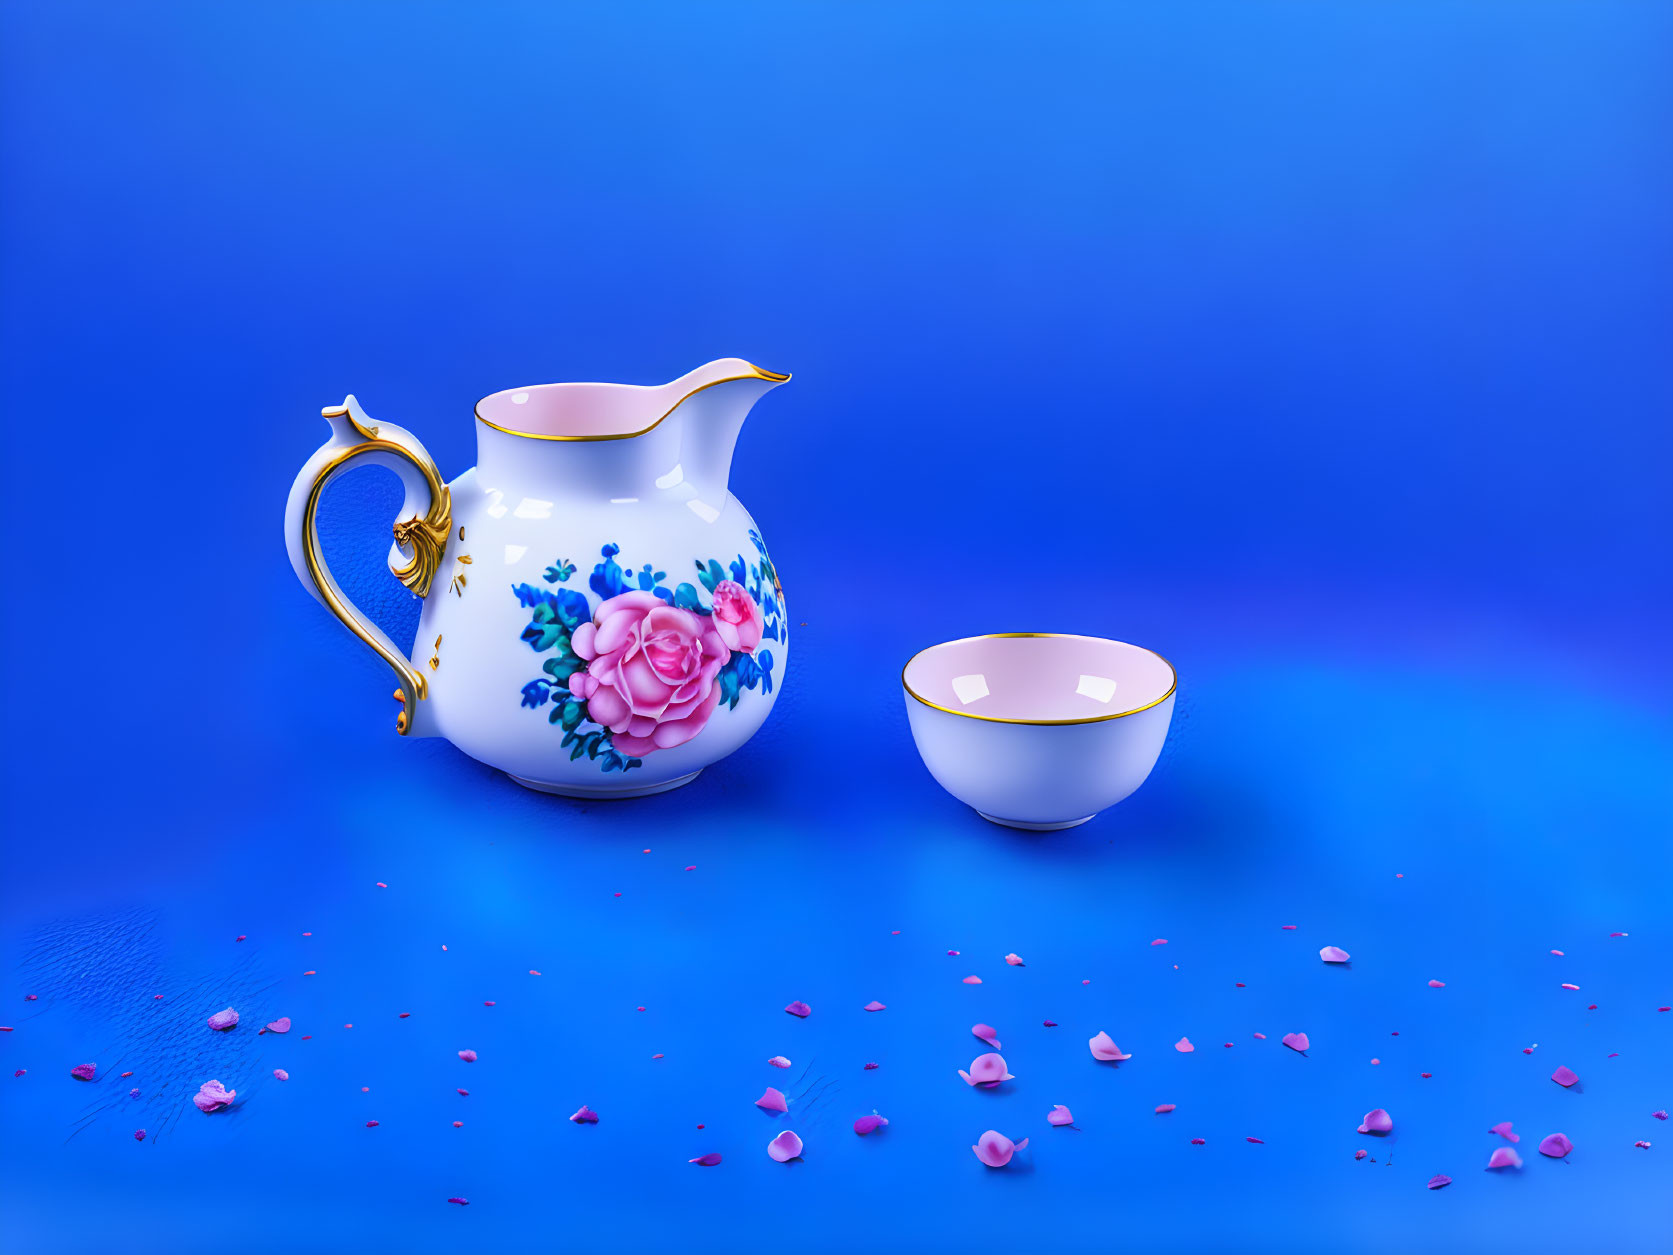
x,y
769,375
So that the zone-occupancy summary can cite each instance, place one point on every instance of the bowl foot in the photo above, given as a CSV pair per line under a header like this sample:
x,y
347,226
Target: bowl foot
x,y
1033,827
604,792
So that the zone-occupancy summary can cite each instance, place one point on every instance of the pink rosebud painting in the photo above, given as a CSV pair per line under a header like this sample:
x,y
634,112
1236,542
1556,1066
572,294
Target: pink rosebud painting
x,y
651,668
995,1149
213,1096
987,1071
737,618
785,1147
1105,1050
84,1071
224,1021
1555,1146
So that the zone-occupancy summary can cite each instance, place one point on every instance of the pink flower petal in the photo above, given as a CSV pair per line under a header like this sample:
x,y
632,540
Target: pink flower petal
x,y
1566,985
1289,928
1503,1130
995,1149
1555,1146
785,1147
462,1202
1199,1141
1504,1157
1257,1141
871,1067
1048,1023
469,1056
139,1135
987,1071
972,980
1184,1046
987,1033
1059,1116
874,1005
1564,1077
1439,1181
799,1009
1297,1041
779,1061
1558,953
1260,1036
867,1124
84,1071
1334,954
1377,1121
1359,1154
1104,1050
279,1074
1160,941
772,1100
1642,1145
708,1161
953,953
1658,1115
1014,960
1437,984
585,1116
213,1096
1165,1108
224,1021
280,1025
371,1124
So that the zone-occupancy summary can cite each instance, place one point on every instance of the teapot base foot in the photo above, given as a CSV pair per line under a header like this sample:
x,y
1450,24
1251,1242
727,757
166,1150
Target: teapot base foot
x,y
1033,827
605,792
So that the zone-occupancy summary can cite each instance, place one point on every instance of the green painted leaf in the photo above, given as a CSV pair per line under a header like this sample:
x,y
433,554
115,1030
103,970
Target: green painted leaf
x,y
573,713
564,664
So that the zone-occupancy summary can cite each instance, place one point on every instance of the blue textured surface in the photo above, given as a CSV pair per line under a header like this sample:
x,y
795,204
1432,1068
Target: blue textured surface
x,y
1321,348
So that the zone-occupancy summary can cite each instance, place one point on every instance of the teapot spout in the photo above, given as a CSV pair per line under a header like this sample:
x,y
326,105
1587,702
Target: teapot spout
x,y
713,402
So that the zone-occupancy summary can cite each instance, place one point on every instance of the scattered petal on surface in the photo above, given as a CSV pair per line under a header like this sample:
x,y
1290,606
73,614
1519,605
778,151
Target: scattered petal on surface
x,y
708,1161
1160,941
1503,1129
1260,1036
800,1009
371,1124
213,1096
995,1149
224,1021
1377,1121
1014,960
1555,1146
1504,1157
1165,1108
1199,1141
1437,984
1439,1181
463,1093
866,1124
1297,1041
785,1147
1104,1050
279,1074
953,953
1289,928
871,1067
1059,1116
1565,1077
1359,1154
1257,1141
1642,1145
1558,953
462,1202
585,1116
1048,1023
987,1071
1658,1115
139,1134
133,1093
1334,954
874,1005
1184,1046
972,980
772,1100
1566,985
381,885
987,1033
779,1061
469,1056
84,1071
280,1025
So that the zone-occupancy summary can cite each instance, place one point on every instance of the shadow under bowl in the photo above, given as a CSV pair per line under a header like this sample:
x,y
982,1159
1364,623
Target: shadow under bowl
x,y
1039,730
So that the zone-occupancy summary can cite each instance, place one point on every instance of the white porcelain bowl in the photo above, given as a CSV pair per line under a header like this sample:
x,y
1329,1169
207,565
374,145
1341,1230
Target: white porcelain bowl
x,y
1035,729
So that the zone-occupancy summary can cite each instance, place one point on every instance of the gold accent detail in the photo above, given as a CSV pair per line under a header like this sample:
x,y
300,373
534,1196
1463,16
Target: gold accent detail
x,y
411,678
770,375
401,715
435,658
465,558
1038,723
427,538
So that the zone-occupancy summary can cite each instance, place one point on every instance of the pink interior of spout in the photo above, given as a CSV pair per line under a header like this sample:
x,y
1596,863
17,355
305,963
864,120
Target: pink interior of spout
x,y
575,410
1046,678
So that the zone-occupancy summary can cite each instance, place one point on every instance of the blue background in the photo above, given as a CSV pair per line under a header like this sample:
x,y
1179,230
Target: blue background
x,y
1321,347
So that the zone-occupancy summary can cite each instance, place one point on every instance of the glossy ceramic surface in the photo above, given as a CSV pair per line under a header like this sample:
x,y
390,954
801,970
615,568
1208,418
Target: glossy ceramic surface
x,y
601,617
1039,730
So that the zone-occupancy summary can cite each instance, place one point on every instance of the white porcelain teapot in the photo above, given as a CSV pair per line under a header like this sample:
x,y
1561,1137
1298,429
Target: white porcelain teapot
x,y
601,618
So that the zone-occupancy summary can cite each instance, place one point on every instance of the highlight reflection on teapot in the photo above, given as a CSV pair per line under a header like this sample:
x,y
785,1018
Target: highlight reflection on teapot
x,y
601,618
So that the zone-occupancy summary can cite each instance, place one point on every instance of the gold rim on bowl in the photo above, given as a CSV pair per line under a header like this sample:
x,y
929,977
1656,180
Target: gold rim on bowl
x,y
1039,723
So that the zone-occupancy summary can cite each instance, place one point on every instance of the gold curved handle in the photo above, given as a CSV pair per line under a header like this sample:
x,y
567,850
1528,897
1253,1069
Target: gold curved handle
x,y
420,535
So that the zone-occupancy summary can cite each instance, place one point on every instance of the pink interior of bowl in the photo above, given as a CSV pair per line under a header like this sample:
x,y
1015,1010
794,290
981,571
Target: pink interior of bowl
x,y
1046,679
574,410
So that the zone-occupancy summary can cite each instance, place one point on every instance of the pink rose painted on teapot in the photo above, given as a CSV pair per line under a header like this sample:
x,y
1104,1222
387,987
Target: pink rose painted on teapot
x,y
651,671
737,618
